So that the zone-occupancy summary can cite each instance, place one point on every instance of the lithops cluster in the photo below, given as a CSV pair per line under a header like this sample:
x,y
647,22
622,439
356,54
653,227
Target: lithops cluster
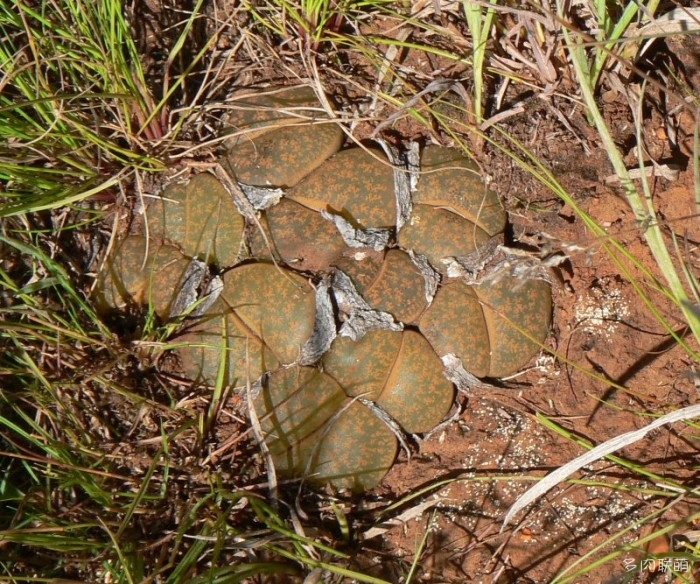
x,y
336,312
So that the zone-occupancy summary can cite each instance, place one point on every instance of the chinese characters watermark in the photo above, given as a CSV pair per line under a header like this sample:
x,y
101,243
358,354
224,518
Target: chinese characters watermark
x,y
657,565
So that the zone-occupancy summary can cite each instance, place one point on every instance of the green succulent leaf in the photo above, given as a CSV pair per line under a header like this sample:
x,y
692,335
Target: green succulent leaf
x,y
355,183
275,304
397,370
450,180
141,273
493,328
439,233
219,335
314,431
201,218
283,156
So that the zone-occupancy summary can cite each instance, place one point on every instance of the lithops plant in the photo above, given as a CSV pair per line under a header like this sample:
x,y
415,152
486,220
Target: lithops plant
x,y
263,318
398,371
290,226
494,328
332,417
454,212
356,451
317,426
518,316
390,283
218,347
452,181
275,304
265,108
356,183
439,234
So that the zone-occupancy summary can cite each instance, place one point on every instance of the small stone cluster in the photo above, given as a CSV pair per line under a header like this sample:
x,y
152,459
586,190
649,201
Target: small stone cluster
x,y
343,291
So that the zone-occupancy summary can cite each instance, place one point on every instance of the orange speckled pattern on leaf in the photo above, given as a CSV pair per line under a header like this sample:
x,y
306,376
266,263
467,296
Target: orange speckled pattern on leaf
x,y
282,157
449,179
201,218
278,305
356,451
439,233
455,324
417,394
356,184
363,366
394,285
518,315
290,224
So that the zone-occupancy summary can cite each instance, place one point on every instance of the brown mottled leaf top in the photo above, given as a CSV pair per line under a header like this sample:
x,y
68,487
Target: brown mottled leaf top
x,y
454,323
438,233
417,395
218,334
356,184
303,239
282,157
141,273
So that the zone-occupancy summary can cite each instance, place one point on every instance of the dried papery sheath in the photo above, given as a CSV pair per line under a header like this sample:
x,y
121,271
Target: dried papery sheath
x,y
403,178
261,198
188,294
324,328
376,239
470,266
431,277
240,200
361,318
413,164
212,291
461,378
512,264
